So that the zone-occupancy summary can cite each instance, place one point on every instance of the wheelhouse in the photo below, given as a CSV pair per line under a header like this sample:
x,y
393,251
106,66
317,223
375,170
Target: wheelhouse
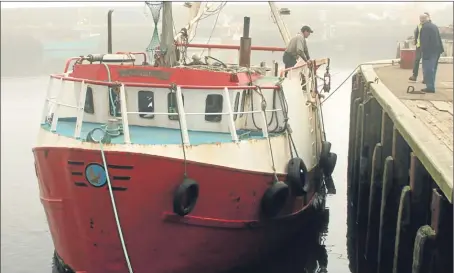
x,y
142,104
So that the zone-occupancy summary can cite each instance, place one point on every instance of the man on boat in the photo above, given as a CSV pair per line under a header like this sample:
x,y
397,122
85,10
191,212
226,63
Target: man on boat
x,y
297,47
431,50
418,47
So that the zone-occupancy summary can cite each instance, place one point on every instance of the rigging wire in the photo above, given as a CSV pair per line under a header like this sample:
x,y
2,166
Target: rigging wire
x,y
208,13
214,26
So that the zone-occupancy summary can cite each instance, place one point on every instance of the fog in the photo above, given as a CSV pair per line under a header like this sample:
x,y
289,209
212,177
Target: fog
x,y
37,37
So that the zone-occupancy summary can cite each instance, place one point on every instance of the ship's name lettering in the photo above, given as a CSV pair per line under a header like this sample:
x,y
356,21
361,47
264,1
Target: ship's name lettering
x,y
144,73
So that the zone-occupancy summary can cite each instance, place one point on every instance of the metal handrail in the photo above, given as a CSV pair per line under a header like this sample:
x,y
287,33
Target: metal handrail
x,y
124,113
157,85
232,47
302,64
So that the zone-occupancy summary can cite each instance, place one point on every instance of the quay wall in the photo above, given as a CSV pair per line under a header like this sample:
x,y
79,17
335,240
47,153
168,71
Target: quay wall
x,y
399,183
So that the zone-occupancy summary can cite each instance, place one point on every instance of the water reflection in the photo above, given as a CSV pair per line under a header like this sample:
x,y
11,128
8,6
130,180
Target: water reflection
x,y
307,252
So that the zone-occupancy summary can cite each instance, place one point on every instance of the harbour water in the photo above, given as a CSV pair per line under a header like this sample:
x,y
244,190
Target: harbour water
x,y
26,244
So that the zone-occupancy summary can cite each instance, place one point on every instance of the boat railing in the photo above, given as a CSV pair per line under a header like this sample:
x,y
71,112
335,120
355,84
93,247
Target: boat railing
x,y
53,109
303,65
210,47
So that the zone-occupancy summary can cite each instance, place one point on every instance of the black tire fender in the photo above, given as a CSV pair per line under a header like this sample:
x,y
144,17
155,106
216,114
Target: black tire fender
x,y
296,176
330,164
185,197
274,199
324,153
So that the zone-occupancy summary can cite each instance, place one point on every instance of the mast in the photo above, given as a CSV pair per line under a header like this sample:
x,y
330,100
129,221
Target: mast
x,y
280,23
167,41
194,16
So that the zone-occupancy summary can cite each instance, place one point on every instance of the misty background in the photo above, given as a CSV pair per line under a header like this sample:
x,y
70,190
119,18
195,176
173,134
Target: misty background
x,y
37,39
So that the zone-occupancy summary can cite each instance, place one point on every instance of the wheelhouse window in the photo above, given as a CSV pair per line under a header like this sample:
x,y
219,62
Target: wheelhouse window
x,y
89,106
146,104
114,101
172,106
236,105
213,104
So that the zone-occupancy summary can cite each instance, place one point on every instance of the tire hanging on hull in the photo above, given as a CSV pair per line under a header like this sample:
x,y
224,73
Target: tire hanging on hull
x,y
327,163
274,199
297,176
185,197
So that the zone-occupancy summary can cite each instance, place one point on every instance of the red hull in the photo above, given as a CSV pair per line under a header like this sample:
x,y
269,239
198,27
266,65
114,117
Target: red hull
x,y
222,231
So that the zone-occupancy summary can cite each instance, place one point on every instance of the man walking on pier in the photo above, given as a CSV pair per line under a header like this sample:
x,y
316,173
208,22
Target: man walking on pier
x,y
297,47
431,49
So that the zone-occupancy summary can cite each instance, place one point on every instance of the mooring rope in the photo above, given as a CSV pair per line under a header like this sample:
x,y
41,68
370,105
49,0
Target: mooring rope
x,y
114,206
349,76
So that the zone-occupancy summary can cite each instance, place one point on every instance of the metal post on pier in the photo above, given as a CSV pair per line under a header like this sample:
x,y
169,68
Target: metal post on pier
x,y
245,44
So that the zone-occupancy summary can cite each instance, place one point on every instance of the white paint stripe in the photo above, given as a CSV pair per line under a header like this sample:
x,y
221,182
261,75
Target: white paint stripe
x,y
249,155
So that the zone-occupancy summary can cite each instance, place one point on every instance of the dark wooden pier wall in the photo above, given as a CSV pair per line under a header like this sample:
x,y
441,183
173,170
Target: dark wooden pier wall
x,y
403,220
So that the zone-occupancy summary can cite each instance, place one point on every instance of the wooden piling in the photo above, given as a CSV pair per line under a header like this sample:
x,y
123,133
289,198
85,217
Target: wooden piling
x,y
412,214
420,199
351,153
401,155
387,229
370,137
441,223
355,100
363,167
386,134
357,155
373,221
402,251
422,255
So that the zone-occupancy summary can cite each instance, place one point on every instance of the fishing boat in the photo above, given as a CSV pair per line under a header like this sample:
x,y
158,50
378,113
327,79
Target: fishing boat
x,y
173,166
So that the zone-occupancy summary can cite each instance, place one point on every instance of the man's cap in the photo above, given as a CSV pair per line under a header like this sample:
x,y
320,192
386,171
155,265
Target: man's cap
x,y
307,28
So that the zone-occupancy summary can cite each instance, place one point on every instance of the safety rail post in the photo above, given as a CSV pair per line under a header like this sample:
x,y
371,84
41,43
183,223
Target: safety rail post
x,y
265,123
53,126
80,109
124,115
46,101
231,121
182,117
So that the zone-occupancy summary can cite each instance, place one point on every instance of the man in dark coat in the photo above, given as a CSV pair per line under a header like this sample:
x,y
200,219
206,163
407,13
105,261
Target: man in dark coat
x,y
431,49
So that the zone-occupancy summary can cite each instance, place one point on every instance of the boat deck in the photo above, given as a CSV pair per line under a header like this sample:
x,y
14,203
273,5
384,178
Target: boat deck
x,y
434,110
153,135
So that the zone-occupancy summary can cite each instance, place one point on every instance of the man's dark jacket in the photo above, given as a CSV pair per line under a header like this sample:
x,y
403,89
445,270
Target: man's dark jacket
x,y
431,44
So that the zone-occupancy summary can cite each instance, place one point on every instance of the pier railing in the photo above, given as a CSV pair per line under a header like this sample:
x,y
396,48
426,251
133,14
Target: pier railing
x,y
52,105
400,182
